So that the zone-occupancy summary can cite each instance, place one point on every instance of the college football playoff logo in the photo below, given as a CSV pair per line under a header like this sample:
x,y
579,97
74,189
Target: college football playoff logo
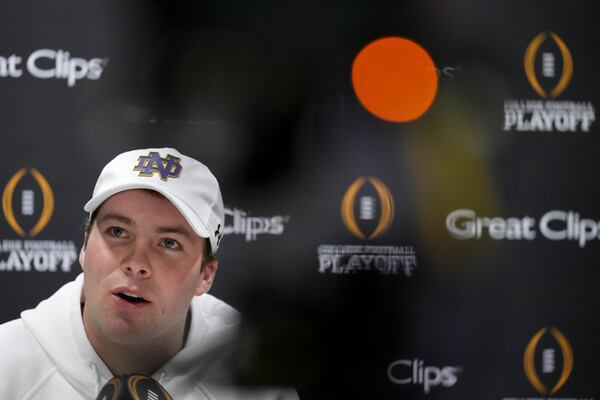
x,y
548,63
546,357
27,202
367,208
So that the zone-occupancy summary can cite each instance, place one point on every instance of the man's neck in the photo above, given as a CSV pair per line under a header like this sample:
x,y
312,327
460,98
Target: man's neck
x,y
144,358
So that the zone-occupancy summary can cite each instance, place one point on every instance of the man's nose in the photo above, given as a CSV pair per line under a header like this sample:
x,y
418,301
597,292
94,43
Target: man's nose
x,y
137,261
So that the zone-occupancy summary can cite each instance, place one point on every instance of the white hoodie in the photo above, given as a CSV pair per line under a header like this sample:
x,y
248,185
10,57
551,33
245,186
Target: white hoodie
x,y
46,354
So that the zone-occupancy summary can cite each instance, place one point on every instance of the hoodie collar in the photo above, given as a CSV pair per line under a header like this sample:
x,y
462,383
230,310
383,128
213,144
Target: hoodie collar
x,y
210,340
63,338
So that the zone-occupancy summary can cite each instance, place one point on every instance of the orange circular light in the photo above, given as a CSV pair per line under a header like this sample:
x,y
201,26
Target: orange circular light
x,y
394,79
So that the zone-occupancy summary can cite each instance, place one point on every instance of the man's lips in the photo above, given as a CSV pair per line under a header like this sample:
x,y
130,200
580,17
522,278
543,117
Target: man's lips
x,y
130,295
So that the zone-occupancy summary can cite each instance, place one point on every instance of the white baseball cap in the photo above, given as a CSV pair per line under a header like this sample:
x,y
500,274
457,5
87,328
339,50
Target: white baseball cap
x,y
184,181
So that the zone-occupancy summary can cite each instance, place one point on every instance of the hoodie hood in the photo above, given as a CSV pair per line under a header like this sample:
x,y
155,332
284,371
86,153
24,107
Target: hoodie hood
x,y
211,340
62,336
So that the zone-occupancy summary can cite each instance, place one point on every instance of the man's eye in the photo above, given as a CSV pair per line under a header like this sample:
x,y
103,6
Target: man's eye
x,y
171,244
116,231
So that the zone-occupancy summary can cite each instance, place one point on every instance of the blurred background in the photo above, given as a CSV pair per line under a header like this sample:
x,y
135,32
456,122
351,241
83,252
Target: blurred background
x,y
371,258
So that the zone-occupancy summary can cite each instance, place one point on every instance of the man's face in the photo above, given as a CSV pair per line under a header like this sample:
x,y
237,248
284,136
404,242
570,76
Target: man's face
x,y
141,246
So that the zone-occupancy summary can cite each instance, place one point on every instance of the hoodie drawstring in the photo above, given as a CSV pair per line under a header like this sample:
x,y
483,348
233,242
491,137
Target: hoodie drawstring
x,y
162,376
96,378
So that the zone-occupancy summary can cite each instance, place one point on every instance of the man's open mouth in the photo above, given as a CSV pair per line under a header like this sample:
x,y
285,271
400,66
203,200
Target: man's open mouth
x,y
132,298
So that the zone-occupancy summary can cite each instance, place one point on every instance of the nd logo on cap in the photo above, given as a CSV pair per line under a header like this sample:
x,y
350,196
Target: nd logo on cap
x,y
153,163
28,202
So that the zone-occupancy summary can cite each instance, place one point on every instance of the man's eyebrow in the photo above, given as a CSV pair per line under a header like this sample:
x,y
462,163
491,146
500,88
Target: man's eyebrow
x,y
174,229
118,217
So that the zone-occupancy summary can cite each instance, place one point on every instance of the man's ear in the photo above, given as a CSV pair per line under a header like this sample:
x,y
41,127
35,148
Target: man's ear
x,y
81,256
208,275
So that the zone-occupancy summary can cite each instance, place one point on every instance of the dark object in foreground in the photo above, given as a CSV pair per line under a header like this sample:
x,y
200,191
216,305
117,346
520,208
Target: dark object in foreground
x,y
133,387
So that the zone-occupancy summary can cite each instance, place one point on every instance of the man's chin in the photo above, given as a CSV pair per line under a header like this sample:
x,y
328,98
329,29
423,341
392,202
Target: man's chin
x,y
129,335
124,328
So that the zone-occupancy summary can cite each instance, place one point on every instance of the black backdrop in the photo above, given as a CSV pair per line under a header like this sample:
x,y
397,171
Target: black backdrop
x,y
262,93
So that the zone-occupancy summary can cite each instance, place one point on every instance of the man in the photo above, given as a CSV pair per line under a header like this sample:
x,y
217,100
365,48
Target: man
x,y
140,306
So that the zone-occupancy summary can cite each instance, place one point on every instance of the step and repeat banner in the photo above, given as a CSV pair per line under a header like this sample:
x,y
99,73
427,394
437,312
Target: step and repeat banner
x,y
411,196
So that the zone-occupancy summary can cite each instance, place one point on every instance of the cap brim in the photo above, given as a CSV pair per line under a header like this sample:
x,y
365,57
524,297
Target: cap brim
x,y
197,224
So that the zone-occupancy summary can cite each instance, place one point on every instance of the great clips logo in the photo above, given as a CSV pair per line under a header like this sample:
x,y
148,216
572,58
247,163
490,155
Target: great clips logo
x,y
542,360
27,206
548,66
417,372
239,222
53,64
556,225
